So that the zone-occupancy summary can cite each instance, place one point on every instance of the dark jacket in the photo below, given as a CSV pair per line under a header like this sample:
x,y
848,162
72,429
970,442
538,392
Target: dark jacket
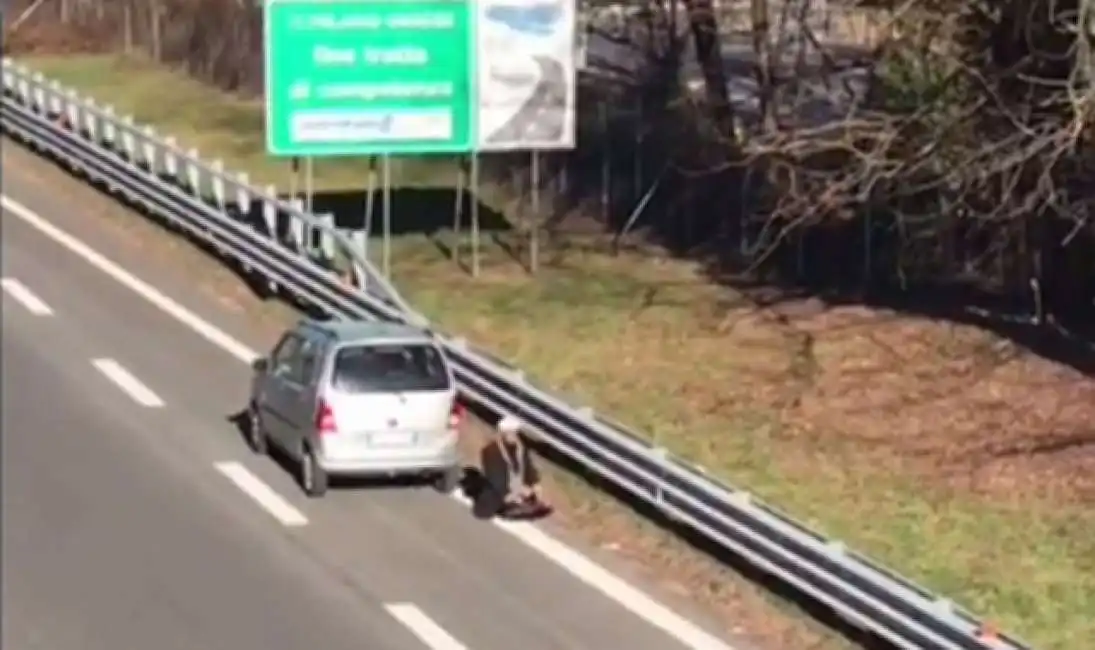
x,y
496,476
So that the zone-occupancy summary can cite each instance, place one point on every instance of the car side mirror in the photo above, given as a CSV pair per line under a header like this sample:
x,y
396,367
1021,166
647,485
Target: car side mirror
x,y
260,365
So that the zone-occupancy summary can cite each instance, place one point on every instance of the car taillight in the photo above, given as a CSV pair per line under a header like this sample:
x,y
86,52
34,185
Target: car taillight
x,y
456,416
325,419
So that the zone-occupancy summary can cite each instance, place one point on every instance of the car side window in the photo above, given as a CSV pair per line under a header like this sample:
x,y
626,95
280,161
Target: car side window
x,y
284,357
309,357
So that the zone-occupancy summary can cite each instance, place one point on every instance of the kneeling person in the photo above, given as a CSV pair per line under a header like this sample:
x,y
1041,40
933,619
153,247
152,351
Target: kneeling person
x,y
511,485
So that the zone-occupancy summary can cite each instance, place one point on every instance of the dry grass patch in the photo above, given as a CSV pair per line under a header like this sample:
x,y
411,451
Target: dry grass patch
x,y
956,457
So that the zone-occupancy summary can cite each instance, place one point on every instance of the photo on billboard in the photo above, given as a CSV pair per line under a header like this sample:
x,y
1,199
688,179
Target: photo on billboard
x,y
526,74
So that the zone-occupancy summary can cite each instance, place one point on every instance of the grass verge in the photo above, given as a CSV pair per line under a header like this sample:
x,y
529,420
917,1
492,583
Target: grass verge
x,y
950,455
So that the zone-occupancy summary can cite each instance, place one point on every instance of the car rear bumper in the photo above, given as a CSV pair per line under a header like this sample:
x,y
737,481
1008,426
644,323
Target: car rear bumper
x,y
381,465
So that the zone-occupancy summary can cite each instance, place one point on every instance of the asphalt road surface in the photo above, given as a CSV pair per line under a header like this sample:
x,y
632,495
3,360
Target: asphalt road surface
x,y
542,118
134,517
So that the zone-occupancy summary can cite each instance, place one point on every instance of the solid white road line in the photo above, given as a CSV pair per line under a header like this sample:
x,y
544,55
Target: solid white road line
x,y
422,626
196,323
263,494
25,297
129,384
585,569
619,590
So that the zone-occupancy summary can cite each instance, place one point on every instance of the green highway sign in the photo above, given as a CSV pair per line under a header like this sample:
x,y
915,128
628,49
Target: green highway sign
x,y
369,77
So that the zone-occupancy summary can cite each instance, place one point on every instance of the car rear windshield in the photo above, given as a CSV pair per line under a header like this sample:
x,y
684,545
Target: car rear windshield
x,y
389,368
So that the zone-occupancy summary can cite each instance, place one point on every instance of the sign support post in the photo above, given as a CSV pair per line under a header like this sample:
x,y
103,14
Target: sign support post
x,y
370,203
309,183
534,236
475,215
294,172
458,207
386,184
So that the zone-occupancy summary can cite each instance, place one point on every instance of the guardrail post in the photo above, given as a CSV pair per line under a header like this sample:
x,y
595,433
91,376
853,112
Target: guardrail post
x,y
23,86
148,144
193,173
326,237
38,92
243,197
72,106
657,491
216,179
91,121
360,240
347,275
109,126
270,217
270,211
171,159
296,224
128,144
54,93
307,230
242,203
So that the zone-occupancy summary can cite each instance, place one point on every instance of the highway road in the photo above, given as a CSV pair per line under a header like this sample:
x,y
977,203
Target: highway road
x,y
135,517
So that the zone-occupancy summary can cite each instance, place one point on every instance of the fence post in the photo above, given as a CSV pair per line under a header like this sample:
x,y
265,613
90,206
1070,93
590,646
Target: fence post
x,y
606,161
127,19
155,9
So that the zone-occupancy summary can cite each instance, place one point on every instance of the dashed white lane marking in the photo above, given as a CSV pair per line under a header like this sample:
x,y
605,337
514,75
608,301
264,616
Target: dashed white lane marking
x,y
613,587
129,384
422,626
24,296
263,494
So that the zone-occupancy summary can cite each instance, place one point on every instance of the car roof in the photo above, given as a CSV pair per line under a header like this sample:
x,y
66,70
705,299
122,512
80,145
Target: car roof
x,y
353,331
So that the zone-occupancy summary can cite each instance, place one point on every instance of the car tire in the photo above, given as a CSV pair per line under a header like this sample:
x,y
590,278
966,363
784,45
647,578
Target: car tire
x,y
448,481
313,478
256,433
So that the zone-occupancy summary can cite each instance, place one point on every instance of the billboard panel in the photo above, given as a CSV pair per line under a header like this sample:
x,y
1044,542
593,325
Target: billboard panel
x,y
526,74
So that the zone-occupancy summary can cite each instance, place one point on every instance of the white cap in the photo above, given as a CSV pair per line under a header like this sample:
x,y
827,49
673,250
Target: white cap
x,y
509,424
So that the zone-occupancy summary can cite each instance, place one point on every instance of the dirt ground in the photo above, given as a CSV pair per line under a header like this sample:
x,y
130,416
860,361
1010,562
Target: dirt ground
x,y
950,404
956,456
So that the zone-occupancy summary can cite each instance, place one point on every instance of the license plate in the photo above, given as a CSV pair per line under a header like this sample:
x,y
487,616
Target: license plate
x,y
392,439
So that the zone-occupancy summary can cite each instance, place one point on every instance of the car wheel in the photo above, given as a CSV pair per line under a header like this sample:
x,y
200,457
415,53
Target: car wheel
x,y
449,480
256,433
313,478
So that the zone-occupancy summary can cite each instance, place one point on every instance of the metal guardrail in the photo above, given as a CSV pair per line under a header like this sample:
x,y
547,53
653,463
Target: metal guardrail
x,y
273,239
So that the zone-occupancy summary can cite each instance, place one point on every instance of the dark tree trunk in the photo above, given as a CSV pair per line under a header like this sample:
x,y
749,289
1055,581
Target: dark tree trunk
x,y
705,31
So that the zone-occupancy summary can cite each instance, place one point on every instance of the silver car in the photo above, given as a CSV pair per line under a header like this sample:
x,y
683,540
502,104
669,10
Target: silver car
x,y
357,398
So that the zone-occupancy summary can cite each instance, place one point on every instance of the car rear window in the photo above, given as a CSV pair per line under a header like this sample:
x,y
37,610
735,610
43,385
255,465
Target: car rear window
x,y
389,368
